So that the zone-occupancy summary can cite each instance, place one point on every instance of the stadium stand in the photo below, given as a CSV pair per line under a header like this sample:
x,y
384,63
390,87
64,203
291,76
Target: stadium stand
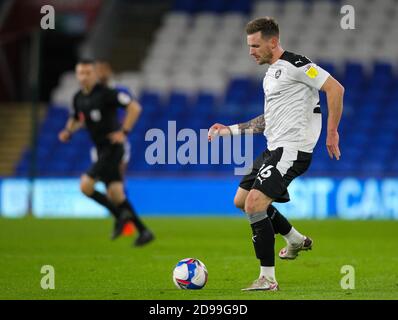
x,y
198,72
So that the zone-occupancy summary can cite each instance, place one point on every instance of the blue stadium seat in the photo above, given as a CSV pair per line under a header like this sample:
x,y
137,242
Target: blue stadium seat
x,y
239,6
329,67
177,105
368,130
215,6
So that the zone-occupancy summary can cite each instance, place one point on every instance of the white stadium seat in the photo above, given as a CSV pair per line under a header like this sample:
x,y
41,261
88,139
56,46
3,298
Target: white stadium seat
x,y
202,52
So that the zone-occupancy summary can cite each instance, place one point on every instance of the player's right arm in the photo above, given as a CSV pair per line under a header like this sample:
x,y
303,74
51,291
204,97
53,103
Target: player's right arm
x,y
72,125
319,79
253,126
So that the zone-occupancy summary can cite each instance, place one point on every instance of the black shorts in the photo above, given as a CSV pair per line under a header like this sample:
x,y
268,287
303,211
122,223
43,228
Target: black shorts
x,y
107,168
273,171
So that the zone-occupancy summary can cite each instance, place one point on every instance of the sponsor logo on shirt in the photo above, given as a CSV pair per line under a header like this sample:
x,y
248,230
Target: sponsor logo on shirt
x,y
311,71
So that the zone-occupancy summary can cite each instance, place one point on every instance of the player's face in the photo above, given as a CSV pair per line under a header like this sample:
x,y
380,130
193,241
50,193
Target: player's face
x,y
85,74
103,72
260,48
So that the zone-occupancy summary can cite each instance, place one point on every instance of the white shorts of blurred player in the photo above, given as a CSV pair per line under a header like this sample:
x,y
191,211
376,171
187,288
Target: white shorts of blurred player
x,y
126,155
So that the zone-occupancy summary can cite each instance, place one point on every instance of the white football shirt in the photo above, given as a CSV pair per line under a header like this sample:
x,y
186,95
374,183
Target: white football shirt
x,y
291,109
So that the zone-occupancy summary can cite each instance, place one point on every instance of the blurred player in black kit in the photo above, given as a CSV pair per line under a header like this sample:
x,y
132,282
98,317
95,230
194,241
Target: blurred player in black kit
x,y
95,106
105,76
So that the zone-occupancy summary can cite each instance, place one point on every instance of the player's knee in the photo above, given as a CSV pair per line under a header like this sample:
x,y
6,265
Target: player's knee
x,y
116,194
239,202
254,203
115,197
250,206
86,188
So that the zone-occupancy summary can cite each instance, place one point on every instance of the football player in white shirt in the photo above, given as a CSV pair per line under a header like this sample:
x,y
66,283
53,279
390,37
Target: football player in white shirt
x,y
292,124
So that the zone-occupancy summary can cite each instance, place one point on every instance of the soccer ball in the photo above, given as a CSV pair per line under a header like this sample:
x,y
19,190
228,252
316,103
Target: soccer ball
x,y
190,273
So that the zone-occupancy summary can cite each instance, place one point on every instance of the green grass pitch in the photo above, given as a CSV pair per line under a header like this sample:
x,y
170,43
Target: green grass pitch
x,y
89,266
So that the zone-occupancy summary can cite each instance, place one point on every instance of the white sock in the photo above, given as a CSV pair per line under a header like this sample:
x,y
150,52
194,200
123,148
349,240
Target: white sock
x,y
267,272
294,237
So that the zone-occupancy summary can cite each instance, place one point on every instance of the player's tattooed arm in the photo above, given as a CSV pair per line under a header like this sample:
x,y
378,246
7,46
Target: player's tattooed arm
x,y
256,125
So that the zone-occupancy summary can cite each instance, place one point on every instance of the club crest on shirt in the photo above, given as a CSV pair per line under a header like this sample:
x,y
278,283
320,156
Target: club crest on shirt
x,y
278,73
95,115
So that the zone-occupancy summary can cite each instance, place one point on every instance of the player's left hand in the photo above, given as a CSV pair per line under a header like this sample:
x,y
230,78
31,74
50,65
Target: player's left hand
x,y
117,137
332,144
